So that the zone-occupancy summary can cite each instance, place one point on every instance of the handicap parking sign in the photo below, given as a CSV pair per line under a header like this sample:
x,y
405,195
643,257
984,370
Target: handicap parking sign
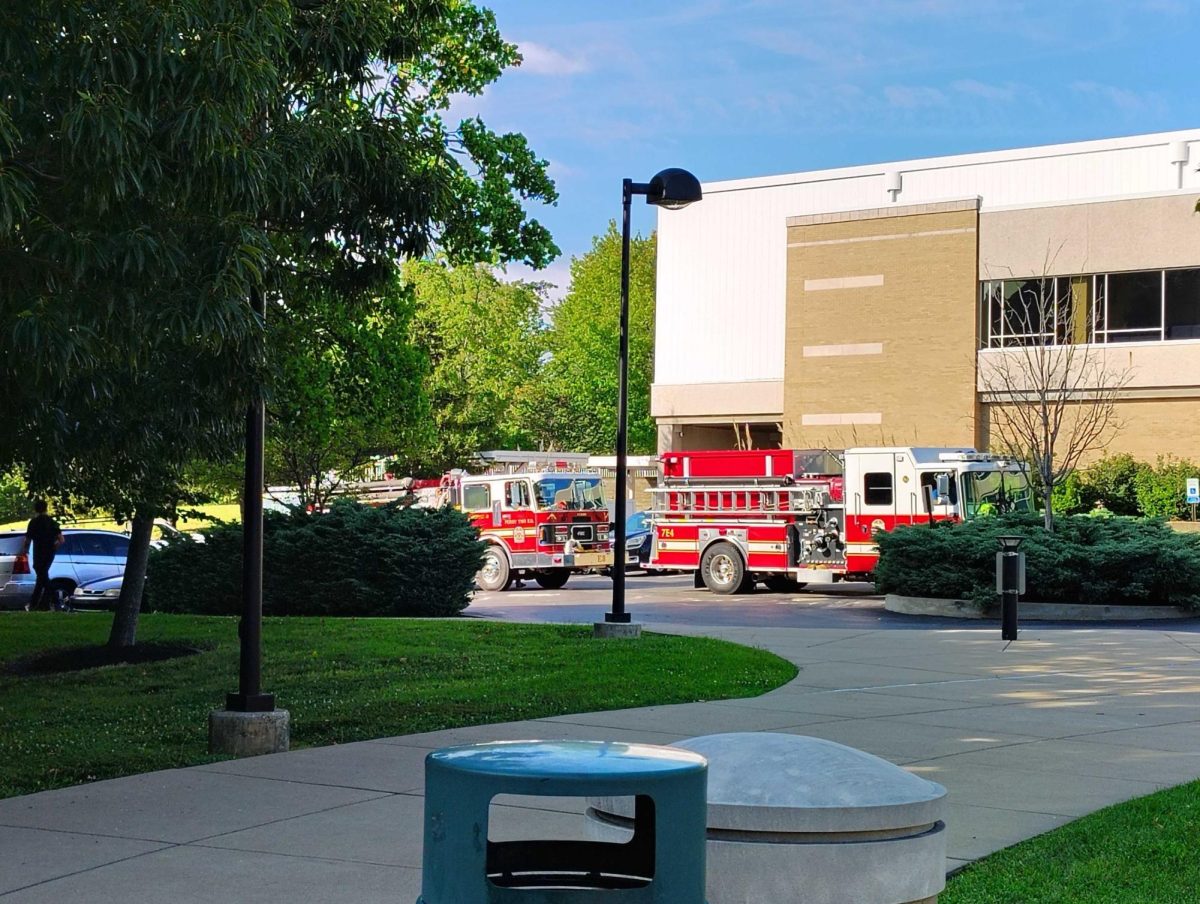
x,y
1193,490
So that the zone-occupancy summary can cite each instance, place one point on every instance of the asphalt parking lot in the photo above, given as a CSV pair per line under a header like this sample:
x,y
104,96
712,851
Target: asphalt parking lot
x,y
671,599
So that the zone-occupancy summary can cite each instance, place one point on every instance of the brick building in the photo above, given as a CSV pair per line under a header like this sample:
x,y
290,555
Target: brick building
x,y
867,305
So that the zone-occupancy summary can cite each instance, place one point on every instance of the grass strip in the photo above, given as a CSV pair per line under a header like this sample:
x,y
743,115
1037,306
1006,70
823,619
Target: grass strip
x,y
342,679
1142,851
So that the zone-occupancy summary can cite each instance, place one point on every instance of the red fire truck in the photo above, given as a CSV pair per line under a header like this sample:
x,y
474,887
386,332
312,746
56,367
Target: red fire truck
x,y
790,517
541,515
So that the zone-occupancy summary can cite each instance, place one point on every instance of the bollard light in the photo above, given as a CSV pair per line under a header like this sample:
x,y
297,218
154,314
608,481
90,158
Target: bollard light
x,y
1010,543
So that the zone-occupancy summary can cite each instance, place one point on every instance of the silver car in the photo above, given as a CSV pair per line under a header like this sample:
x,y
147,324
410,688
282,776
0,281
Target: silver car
x,y
85,557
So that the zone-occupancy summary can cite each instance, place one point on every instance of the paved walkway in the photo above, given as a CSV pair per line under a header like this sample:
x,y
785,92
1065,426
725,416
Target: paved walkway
x,y
1025,738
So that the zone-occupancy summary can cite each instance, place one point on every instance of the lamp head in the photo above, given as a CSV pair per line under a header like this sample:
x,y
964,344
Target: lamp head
x,y
1009,542
673,188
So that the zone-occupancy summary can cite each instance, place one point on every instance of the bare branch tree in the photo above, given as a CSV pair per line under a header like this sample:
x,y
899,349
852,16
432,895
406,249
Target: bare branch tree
x,y
1052,392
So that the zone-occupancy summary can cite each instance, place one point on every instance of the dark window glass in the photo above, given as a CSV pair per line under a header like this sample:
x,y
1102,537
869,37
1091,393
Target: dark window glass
x,y
517,494
476,497
877,488
1183,304
992,313
1028,308
10,546
1134,303
929,480
93,545
72,545
118,547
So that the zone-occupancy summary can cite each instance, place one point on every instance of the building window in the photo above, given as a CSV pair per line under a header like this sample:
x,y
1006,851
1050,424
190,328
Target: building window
x,y
1139,306
1182,304
877,488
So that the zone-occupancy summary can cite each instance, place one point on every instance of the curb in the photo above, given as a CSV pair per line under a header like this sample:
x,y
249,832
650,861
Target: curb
x,y
942,608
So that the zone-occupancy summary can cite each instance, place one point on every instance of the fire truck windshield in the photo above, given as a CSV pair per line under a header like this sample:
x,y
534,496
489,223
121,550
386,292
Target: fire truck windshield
x,y
571,493
994,493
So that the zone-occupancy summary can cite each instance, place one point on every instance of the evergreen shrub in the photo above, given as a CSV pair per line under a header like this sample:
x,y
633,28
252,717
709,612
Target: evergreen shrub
x,y
1117,561
354,560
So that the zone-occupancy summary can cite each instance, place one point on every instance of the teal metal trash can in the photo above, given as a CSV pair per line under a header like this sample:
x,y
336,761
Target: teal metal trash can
x,y
663,862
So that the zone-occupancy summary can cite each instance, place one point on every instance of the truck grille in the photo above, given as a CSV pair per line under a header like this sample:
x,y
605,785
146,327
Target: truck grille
x,y
583,533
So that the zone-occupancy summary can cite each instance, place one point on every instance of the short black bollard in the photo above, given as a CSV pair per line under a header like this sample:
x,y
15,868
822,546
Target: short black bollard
x,y
1010,583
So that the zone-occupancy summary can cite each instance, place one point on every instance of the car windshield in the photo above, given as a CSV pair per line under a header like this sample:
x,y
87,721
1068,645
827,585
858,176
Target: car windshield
x,y
995,492
572,493
636,522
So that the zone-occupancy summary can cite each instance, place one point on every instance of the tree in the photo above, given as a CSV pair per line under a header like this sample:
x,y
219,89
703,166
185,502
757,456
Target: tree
x,y
485,340
1051,395
575,406
160,163
345,386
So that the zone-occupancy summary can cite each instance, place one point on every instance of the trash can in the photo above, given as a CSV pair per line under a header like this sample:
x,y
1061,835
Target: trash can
x,y
663,862
796,819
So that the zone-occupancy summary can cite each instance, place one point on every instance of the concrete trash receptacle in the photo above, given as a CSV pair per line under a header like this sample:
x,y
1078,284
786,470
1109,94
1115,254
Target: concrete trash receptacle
x,y
800,820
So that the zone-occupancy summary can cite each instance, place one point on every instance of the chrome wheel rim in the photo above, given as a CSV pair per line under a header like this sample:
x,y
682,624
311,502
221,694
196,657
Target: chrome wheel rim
x,y
722,568
490,572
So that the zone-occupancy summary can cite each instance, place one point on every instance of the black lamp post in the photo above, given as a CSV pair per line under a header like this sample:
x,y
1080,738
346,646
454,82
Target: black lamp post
x,y
673,189
1009,567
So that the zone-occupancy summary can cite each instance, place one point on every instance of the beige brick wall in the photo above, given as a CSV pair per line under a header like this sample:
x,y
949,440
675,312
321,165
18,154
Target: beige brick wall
x,y
881,327
1145,428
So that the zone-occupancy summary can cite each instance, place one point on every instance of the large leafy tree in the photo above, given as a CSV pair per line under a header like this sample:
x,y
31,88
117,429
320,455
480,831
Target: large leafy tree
x,y
162,163
575,406
345,386
485,339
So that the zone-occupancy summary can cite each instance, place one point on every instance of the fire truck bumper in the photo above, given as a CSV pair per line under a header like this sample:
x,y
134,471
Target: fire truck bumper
x,y
588,560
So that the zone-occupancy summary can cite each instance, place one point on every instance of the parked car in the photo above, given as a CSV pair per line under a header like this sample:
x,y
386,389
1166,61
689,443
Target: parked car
x,y
86,556
638,538
101,594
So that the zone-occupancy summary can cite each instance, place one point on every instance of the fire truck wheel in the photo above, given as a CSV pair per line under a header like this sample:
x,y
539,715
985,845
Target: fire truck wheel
x,y
723,569
494,575
552,579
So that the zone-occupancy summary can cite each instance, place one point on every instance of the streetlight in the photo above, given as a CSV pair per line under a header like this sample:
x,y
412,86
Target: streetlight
x,y
673,189
1010,581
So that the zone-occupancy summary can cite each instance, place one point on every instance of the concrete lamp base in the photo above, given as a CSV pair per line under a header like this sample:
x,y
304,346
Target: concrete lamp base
x,y
248,734
616,629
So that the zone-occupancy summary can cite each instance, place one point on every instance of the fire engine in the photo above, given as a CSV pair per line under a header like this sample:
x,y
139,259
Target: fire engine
x,y
541,515
789,517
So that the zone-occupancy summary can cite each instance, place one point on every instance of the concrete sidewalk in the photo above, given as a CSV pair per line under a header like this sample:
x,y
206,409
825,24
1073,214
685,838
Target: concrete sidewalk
x,y
1061,723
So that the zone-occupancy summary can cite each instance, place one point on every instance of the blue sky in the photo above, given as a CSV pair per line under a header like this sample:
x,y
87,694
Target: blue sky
x,y
734,88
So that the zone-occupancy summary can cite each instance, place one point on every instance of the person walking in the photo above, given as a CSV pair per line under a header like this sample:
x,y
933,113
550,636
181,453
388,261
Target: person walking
x,y
46,536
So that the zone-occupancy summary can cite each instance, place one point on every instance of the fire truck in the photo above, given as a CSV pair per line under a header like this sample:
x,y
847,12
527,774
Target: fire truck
x,y
542,516
788,517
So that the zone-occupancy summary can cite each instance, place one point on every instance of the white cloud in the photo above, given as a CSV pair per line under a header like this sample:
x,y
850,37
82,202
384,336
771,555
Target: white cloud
x,y
556,276
984,90
539,59
912,97
1124,99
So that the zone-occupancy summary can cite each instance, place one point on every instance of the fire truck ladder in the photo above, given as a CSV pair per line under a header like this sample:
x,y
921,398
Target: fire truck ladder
x,y
749,498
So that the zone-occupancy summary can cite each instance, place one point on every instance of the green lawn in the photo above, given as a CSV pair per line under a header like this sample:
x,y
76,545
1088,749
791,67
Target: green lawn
x,y
342,679
1143,851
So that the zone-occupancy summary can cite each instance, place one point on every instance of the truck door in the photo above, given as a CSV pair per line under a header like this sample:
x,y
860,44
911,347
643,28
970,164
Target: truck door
x,y
871,494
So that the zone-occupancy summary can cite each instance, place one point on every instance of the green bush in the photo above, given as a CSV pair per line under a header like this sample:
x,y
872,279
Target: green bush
x,y
1067,497
1160,489
1122,561
1113,481
353,560
14,498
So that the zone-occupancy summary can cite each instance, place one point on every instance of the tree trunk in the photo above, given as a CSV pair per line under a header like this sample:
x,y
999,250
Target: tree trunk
x,y
124,627
1048,507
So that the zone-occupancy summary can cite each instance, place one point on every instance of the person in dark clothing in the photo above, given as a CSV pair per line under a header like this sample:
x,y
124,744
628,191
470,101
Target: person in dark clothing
x,y
46,536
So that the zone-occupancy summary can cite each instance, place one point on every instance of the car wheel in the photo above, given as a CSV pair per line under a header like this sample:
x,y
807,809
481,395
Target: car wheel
x,y
722,569
552,579
60,595
495,573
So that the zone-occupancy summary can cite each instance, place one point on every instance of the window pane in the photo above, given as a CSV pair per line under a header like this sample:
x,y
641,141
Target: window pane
x,y
877,488
1134,302
476,497
1027,303
1183,304
992,301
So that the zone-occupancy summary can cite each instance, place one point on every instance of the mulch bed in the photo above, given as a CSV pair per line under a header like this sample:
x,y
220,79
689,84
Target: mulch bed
x,y
74,659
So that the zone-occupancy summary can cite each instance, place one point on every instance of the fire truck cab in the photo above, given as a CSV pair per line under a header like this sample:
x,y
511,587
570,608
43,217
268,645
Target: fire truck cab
x,y
790,517
542,515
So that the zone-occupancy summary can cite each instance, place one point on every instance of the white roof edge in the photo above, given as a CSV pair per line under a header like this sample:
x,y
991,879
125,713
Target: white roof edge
x,y
930,163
